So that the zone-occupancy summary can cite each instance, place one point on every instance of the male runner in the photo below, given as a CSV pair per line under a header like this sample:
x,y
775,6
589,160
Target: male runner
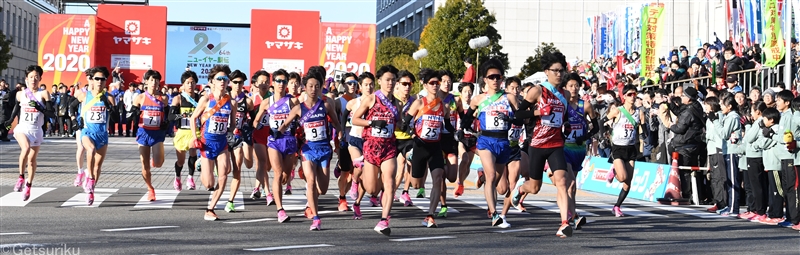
x,y
182,108
95,107
345,164
151,108
260,135
574,148
625,124
356,142
242,134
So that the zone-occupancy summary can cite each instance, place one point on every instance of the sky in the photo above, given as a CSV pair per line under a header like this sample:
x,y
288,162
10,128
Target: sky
x,y
238,11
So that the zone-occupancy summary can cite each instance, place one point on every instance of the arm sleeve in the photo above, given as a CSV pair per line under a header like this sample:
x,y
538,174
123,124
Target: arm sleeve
x,y
14,114
682,125
343,118
174,113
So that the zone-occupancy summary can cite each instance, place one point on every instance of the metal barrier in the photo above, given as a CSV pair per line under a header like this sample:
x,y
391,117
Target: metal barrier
x,y
764,77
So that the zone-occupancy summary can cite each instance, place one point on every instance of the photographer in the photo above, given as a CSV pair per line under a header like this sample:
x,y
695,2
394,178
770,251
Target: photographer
x,y
688,129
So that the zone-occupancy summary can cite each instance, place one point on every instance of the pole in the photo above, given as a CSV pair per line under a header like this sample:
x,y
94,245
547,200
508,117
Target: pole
x,y
787,37
475,66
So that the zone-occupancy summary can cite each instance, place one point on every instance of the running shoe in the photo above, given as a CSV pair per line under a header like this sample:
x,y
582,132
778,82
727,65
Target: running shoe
x,y
316,225
357,212
343,207
20,183
151,195
190,183
712,209
720,211
307,212
90,199
270,200
282,217
480,179
89,185
210,215
459,191
617,212
579,221
26,192
406,199
564,231
520,208
611,174
516,195
505,224
746,215
288,190
177,184
198,166
786,224
256,194
442,212
796,227
383,227
496,220
301,174
337,172
771,221
353,190
230,207
428,222
729,214
421,193
79,179
758,218
375,202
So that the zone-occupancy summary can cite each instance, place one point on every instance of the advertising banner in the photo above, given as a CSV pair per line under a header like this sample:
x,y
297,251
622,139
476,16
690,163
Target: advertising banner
x,y
774,47
284,39
652,30
347,47
133,38
201,47
66,46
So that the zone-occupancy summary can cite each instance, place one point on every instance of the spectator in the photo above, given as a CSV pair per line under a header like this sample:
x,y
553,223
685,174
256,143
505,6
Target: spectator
x,y
63,100
769,97
5,109
676,72
688,130
733,84
469,75
130,121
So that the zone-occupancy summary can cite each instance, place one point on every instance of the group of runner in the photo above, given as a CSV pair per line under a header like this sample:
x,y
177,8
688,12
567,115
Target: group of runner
x,y
381,137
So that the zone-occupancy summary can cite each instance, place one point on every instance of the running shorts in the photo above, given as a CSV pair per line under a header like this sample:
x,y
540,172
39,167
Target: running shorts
x,y
554,157
345,162
375,152
625,153
213,148
516,154
286,145
261,136
35,136
183,139
404,146
99,139
469,143
318,153
425,156
575,154
449,144
499,147
357,142
149,138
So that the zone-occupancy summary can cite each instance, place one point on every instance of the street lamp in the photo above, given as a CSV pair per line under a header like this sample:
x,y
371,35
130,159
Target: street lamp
x,y
475,44
418,55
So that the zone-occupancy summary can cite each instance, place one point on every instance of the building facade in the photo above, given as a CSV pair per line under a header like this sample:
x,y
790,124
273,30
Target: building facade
x,y
524,25
19,21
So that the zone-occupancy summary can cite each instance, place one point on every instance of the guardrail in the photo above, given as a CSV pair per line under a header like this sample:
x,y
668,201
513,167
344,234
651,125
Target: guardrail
x,y
764,77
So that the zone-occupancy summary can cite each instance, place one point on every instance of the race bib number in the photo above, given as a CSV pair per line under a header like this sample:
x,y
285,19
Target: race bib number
x,y
514,133
239,120
217,125
277,120
577,131
555,119
186,123
385,132
29,115
315,131
430,130
494,122
151,118
96,115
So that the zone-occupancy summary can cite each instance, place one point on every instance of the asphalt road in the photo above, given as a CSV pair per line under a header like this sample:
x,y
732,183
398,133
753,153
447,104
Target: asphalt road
x,y
52,221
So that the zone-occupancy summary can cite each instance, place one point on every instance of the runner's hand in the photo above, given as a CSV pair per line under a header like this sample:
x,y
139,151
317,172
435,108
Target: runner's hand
x,y
378,123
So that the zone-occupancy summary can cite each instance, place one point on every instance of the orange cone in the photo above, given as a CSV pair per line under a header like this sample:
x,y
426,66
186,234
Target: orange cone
x,y
672,195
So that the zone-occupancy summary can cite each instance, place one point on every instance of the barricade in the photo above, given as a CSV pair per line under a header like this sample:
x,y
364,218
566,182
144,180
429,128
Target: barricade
x,y
672,195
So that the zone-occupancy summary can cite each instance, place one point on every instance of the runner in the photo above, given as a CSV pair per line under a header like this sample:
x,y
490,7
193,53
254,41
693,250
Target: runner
x,y
448,141
518,159
382,114
547,142
295,89
495,111
260,135
80,178
282,147
466,140
317,151
426,117
182,108
150,108
345,162
242,135
95,105
404,143
625,123
32,109
356,142
574,148
215,113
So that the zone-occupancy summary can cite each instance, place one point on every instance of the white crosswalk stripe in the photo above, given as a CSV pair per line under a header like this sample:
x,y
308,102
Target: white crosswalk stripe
x,y
15,198
625,210
79,200
238,201
553,207
164,199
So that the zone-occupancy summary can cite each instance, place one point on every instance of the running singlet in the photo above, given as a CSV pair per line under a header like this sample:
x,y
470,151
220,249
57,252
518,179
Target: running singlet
x,y
475,124
152,113
400,135
314,121
547,131
514,135
355,131
429,124
241,113
343,102
490,118
624,132
381,110
264,121
217,124
29,115
278,113
577,122
450,102
95,115
187,108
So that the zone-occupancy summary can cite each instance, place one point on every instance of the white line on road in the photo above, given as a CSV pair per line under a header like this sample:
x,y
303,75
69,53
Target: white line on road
x,y
289,247
137,228
628,210
553,207
238,201
164,199
421,238
15,233
15,198
681,210
79,200
249,221
516,230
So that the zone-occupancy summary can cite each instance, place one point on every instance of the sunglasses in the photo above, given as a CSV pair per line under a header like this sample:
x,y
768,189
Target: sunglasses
x,y
353,82
495,77
405,83
237,82
280,81
99,78
222,78
632,94
433,83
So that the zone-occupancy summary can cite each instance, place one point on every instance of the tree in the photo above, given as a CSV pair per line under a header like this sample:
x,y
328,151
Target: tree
x,y
392,47
5,50
534,64
447,35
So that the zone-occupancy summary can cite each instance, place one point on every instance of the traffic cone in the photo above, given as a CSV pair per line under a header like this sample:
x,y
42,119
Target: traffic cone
x,y
672,195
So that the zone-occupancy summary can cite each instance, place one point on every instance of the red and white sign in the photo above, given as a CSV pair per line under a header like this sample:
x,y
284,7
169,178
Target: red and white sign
x,y
284,39
66,47
133,38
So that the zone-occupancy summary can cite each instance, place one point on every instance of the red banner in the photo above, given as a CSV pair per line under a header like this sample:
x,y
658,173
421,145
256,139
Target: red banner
x,y
284,39
347,47
66,46
133,38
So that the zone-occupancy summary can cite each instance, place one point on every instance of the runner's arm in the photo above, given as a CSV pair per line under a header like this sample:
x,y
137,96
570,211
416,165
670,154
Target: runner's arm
x,y
332,112
201,107
358,117
262,109
293,114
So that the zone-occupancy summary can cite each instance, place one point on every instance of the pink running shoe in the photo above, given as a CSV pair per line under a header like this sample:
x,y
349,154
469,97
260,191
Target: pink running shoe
x,y
758,218
89,184
611,174
383,227
270,200
406,200
177,184
26,192
353,190
617,212
316,225
190,183
282,217
375,202
20,184
79,179
357,212
90,199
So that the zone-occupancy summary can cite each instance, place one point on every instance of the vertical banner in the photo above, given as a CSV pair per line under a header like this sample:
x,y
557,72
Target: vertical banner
x,y
133,38
281,39
651,38
347,47
758,22
774,46
66,46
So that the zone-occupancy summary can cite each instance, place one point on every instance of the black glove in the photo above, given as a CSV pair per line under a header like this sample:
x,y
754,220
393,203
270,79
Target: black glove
x,y
36,105
164,125
712,116
275,133
233,141
448,126
503,116
460,135
78,124
579,140
7,123
767,132
378,123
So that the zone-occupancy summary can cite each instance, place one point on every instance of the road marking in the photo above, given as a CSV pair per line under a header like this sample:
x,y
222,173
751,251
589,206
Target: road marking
x,y
553,207
164,199
294,203
628,211
423,203
481,202
15,233
681,210
137,228
516,230
322,212
15,198
276,248
249,221
79,200
238,201
421,238
72,141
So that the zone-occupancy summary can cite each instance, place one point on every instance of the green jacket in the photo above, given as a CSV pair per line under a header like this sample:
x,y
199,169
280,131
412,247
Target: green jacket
x,y
728,127
714,141
773,157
